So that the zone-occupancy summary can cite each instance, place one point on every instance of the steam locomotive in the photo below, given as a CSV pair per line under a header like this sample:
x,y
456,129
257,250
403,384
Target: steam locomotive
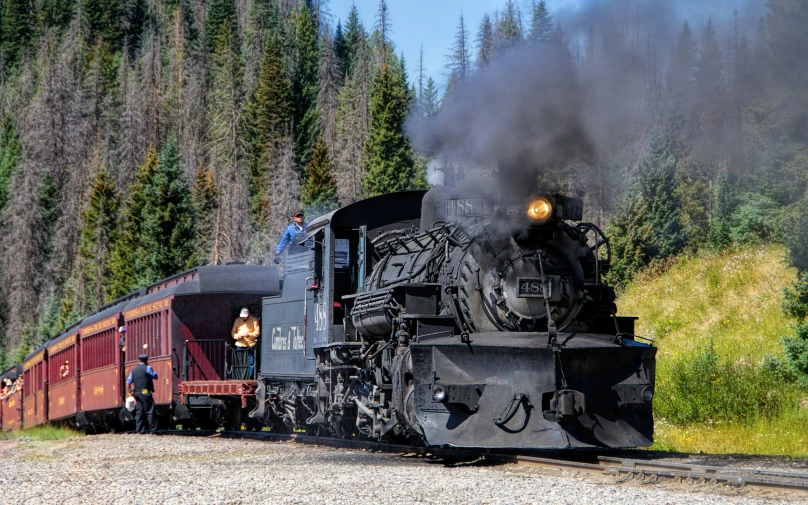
x,y
463,316
455,317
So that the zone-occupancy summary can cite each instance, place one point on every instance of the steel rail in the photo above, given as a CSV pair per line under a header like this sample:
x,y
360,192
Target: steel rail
x,y
625,469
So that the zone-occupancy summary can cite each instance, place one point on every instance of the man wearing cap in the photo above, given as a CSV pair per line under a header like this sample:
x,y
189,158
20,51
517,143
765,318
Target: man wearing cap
x,y
141,386
245,332
294,233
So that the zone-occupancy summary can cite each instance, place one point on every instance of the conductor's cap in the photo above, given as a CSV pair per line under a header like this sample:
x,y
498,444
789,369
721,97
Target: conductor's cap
x,y
142,356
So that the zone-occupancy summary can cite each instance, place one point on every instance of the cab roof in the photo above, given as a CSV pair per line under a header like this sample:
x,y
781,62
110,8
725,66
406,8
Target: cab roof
x,y
373,212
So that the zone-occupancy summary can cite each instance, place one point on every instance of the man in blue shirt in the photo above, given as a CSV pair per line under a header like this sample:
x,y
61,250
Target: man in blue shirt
x,y
290,236
141,386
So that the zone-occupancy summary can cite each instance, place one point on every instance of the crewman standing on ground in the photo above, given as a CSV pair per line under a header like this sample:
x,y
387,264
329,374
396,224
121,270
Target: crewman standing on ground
x,y
141,386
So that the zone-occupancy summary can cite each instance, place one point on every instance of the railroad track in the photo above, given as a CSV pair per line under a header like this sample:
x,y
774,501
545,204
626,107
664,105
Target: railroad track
x,y
623,469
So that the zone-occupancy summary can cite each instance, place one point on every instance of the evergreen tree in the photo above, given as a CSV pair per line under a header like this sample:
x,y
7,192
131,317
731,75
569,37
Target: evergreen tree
x,y
508,33
329,81
683,64
388,150
796,295
646,227
204,199
353,122
458,61
98,233
49,325
354,35
541,27
342,49
263,23
57,13
168,234
319,192
228,154
18,30
222,15
719,237
485,42
708,73
135,17
431,100
69,312
381,32
9,158
104,21
306,117
128,263
270,118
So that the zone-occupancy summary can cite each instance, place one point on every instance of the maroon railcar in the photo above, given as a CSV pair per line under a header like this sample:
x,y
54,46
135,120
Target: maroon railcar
x,y
184,324
101,366
64,398
34,390
11,406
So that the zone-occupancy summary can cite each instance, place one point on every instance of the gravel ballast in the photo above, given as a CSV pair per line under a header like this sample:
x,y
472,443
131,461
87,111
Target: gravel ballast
x,y
133,469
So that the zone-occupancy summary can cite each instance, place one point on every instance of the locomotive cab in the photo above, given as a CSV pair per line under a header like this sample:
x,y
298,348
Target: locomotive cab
x,y
308,318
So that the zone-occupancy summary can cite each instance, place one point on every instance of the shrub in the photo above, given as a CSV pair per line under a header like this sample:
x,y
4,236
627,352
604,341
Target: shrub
x,y
757,219
702,387
796,350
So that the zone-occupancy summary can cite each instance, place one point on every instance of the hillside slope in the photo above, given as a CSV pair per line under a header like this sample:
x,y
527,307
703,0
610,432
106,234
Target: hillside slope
x,y
732,298
717,321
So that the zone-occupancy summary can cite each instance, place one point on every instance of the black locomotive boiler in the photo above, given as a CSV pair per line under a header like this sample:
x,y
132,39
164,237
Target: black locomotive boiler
x,y
455,317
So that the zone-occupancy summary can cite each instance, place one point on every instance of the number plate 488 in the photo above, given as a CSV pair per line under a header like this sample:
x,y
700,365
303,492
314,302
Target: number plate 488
x,y
532,287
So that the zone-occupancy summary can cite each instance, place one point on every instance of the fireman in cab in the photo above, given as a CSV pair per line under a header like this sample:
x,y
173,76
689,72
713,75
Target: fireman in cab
x,y
293,234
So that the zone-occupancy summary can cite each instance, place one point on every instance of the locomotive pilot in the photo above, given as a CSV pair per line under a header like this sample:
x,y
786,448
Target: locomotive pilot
x,y
293,234
245,333
141,386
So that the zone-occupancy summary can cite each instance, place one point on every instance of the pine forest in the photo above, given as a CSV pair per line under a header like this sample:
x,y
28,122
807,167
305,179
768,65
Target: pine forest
x,y
140,138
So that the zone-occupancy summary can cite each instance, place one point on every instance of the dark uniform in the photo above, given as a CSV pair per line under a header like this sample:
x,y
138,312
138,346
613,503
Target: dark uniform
x,y
142,377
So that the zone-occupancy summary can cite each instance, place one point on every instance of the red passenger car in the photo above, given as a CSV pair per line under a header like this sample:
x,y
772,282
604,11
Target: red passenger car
x,y
183,323
34,392
100,380
11,404
63,385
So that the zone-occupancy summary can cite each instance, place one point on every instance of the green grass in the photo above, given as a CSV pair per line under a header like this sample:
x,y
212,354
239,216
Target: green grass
x,y
717,321
732,299
786,435
41,433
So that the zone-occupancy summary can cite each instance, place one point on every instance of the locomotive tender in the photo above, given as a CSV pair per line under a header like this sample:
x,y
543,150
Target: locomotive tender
x,y
456,316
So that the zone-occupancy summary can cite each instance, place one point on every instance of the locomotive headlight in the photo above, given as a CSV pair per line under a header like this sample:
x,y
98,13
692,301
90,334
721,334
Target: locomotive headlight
x,y
438,394
540,209
647,394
